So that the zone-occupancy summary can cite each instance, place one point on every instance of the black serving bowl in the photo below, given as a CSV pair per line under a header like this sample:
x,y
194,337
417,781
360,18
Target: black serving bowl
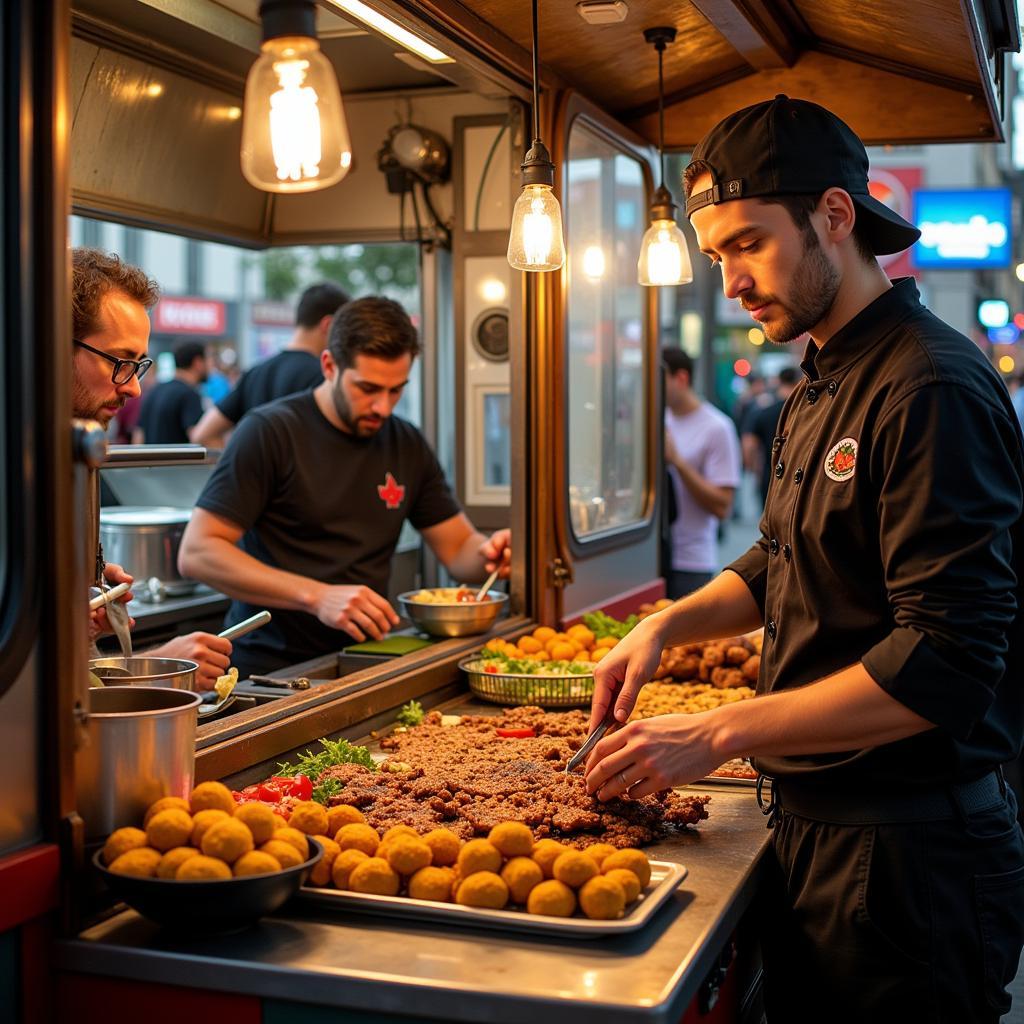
x,y
219,904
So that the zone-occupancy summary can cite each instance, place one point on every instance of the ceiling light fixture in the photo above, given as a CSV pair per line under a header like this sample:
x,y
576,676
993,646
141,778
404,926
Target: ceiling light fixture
x,y
664,258
535,241
294,136
395,32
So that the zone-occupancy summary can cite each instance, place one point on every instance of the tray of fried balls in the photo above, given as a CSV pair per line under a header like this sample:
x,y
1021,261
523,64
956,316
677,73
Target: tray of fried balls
x,y
505,881
207,863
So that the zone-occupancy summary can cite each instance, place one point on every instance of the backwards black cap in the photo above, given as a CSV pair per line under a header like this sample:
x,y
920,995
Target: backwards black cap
x,y
794,147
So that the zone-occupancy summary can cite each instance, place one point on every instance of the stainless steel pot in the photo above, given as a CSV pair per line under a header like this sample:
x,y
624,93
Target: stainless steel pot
x,y
175,673
145,540
141,747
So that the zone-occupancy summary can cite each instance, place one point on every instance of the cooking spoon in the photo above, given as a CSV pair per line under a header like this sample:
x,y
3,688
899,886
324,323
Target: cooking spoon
x,y
488,583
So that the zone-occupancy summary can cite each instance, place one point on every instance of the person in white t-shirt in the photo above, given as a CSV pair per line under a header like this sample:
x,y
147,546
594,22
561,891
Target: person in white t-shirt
x,y
702,454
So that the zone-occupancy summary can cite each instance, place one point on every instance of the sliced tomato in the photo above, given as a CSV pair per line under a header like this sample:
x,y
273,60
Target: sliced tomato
x,y
297,786
516,734
493,669
268,793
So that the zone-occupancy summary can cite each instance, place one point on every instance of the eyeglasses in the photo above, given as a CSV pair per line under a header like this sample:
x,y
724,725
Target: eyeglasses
x,y
124,369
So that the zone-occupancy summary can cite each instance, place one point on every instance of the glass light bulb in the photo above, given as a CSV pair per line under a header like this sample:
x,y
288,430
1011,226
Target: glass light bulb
x,y
294,136
535,241
664,257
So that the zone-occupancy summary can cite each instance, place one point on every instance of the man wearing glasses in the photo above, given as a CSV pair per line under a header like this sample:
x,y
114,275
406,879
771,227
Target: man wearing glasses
x,y
110,331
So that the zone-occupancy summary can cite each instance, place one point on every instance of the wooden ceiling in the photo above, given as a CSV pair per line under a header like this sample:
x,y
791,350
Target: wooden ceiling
x,y
898,72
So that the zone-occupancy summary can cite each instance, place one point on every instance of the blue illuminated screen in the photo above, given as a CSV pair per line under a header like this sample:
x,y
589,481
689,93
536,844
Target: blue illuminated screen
x,y
962,229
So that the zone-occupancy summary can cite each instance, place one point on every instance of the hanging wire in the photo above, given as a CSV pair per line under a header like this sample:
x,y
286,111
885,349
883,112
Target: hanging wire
x,y
536,90
661,111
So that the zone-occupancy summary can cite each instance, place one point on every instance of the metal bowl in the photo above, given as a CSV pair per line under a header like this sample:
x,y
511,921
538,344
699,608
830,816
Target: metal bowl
x,y
454,619
209,905
176,673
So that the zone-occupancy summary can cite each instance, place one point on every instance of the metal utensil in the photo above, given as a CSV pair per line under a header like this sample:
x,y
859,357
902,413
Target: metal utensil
x,y
118,617
299,683
588,745
488,583
246,626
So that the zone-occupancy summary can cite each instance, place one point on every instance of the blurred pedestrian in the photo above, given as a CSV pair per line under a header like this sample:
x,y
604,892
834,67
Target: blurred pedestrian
x,y
172,409
758,437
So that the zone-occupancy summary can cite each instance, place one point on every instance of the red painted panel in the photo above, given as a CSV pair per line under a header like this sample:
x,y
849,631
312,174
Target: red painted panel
x,y
29,880
92,999
36,960
622,604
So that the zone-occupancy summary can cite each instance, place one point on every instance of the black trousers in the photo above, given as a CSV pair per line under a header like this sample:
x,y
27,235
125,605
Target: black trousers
x,y
919,923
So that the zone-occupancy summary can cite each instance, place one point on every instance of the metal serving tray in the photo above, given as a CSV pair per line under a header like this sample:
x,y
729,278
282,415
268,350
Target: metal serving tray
x,y
725,780
665,879
513,689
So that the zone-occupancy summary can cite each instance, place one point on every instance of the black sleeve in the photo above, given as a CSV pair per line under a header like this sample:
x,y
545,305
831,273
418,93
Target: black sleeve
x,y
232,405
246,475
434,500
752,568
945,517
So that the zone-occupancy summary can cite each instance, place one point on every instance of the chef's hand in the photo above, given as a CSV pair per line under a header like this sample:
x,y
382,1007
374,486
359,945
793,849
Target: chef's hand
x,y
213,653
497,550
99,624
653,754
359,611
620,674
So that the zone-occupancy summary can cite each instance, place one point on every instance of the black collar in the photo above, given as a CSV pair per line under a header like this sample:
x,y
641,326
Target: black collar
x,y
859,335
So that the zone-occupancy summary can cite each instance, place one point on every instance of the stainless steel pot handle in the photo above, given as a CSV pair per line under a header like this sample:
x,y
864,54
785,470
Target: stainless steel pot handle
x,y
246,626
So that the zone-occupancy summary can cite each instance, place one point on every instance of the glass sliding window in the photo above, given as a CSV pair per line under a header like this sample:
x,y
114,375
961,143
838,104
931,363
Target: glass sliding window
x,y
606,359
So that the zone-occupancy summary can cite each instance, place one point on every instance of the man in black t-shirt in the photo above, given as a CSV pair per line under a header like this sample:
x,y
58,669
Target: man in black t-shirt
x,y
295,368
171,410
305,508
759,432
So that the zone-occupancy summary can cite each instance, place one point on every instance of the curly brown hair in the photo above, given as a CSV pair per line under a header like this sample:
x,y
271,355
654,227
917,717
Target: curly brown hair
x,y
94,273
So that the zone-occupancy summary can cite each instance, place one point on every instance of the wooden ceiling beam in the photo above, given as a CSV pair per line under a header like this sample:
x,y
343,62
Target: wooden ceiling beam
x,y
754,30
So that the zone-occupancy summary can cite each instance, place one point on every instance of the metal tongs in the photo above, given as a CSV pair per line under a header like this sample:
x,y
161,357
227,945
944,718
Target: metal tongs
x,y
591,741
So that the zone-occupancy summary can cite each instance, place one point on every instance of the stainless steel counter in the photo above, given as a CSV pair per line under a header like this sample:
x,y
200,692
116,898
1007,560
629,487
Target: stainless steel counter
x,y
447,973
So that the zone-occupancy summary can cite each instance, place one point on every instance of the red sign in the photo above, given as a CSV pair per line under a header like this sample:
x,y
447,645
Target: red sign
x,y
189,316
895,186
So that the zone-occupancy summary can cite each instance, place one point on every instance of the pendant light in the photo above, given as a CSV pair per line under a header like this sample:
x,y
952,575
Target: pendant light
x,y
664,257
294,136
535,241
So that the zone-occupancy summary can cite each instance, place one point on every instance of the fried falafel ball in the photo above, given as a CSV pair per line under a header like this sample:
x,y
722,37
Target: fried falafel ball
x,y
140,862
343,814
546,852
279,821
431,883
628,880
483,889
444,846
358,837
310,817
632,860
259,819
204,820
599,851
478,855
574,868
512,839
344,864
407,854
552,899
173,859
521,874
168,829
293,837
211,796
121,841
602,898
227,840
321,873
375,875
202,868
165,803
284,853
255,862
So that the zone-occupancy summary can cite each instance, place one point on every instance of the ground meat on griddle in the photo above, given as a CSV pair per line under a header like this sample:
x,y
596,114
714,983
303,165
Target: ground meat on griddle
x,y
469,779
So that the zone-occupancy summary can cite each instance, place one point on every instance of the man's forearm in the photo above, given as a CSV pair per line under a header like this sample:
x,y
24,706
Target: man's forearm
x,y
468,564
711,498
846,711
723,608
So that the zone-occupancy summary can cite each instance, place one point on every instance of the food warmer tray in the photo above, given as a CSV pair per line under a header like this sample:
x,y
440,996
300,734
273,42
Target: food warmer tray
x,y
665,879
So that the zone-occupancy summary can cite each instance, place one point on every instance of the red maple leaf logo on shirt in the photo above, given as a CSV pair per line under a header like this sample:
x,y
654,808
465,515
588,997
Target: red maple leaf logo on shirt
x,y
391,492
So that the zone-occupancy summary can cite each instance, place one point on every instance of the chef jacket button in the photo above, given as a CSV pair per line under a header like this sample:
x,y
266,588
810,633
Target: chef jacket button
x,y
833,387
773,546
812,396
787,552
780,468
771,628
798,475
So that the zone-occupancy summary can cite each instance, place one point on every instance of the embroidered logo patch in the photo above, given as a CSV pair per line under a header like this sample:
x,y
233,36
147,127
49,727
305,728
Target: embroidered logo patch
x,y
841,461
391,492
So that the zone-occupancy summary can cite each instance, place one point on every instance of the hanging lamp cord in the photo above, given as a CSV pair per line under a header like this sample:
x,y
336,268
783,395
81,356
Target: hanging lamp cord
x,y
536,76
661,110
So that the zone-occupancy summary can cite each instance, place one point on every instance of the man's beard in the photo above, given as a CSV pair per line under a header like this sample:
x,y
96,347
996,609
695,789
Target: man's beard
x,y
812,292
86,407
360,426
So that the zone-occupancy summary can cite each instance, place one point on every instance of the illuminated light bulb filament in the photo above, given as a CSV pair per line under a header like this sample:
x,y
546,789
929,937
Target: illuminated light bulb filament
x,y
295,123
665,263
538,233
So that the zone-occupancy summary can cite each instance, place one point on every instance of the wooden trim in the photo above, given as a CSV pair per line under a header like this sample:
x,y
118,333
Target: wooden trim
x,y
622,604
679,95
974,23
30,882
752,30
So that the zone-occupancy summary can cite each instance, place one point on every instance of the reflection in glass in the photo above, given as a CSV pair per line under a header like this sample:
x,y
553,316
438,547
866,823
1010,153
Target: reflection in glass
x,y
497,450
606,204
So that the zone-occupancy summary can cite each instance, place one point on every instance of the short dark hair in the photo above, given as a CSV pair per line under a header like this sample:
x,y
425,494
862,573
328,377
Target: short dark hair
x,y
788,375
371,326
675,359
187,352
318,301
94,274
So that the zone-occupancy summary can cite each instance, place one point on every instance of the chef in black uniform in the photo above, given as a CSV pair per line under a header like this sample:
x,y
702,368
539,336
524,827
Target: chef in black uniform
x,y
888,578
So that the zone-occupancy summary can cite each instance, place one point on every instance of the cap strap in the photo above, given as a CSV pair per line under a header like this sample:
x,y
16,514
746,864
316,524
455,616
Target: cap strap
x,y
717,194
